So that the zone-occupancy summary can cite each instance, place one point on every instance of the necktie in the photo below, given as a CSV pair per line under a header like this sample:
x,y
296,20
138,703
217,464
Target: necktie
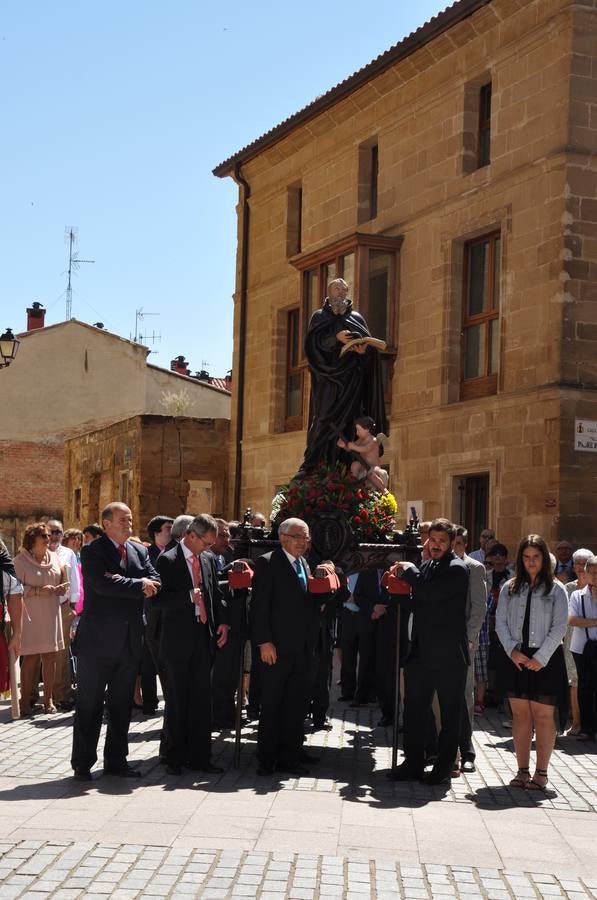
x,y
301,574
202,612
122,551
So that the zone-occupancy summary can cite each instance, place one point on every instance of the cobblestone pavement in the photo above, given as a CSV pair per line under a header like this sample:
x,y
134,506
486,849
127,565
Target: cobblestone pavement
x,y
343,831
38,869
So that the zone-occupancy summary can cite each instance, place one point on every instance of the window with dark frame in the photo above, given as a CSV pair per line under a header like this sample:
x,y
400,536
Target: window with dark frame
x,y
473,504
369,264
484,135
480,317
295,372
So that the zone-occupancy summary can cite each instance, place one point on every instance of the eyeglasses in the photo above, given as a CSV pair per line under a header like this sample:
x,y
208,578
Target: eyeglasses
x,y
56,531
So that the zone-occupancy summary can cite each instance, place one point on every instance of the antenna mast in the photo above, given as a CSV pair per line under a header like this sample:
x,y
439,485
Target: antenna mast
x,y
70,237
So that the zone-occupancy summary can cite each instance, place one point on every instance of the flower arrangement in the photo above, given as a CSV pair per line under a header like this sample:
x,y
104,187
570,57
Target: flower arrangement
x,y
331,489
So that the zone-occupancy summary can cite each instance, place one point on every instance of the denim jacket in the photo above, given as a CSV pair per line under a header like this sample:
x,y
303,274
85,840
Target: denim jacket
x,y
548,621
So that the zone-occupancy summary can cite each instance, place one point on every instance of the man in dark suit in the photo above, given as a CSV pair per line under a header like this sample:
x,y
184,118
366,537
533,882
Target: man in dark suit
x,y
358,636
439,654
285,619
158,529
117,576
190,605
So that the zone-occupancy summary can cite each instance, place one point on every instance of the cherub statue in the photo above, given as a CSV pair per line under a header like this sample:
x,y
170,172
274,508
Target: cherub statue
x,y
368,447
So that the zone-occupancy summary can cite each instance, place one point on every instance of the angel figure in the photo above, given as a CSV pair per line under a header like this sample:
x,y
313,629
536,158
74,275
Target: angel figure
x,y
368,447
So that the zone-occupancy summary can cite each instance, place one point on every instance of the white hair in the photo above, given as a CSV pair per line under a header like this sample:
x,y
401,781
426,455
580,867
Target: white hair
x,y
287,524
582,553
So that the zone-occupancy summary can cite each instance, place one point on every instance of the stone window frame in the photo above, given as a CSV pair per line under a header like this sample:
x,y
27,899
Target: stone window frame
x,y
294,368
486,384
452,250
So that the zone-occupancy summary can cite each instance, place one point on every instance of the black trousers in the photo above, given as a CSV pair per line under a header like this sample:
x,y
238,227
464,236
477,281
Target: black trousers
x,y
114,681
420,683
254,705
321,671
385,663
225,681
358,652
284,693
587,696
187,715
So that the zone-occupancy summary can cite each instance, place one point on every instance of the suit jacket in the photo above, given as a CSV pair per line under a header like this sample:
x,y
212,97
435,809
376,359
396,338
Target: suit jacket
x,y
112,618
439,602
476,604
281,611
367,592
180,630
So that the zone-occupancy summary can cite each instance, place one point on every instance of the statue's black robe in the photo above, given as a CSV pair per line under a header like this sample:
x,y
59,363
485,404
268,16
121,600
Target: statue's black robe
x,y
342,387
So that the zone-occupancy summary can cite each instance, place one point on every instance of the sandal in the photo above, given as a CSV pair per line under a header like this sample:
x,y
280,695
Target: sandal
x,y
533,785
522,778
50,709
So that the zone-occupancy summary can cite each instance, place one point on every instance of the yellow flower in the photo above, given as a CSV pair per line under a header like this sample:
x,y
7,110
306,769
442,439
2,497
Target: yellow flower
x,y
388,503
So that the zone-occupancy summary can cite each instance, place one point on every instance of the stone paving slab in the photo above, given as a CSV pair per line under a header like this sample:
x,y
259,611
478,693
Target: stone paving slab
x,y
126,871
354,756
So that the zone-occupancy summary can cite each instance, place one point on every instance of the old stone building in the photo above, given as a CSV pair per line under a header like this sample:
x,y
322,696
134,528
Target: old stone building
x,y
156,464
453,183
68,379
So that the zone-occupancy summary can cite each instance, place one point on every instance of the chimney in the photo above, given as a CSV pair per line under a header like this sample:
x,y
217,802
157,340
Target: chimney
x,y
228,381
36,316
180,365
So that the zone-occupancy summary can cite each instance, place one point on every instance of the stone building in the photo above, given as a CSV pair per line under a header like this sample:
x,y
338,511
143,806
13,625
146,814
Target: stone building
x,y
68,379
453,183
155,464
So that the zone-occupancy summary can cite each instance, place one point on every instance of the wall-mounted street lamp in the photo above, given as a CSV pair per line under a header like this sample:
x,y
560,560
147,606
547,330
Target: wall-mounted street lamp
x,y
9,345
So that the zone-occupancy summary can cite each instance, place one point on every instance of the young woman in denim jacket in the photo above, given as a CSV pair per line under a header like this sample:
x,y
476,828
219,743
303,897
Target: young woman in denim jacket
x,y
531,619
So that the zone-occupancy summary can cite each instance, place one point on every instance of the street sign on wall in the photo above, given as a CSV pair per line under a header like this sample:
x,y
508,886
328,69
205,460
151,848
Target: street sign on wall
x,y
585,435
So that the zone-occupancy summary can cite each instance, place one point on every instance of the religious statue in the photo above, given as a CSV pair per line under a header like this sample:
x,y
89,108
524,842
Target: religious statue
x,y
346,378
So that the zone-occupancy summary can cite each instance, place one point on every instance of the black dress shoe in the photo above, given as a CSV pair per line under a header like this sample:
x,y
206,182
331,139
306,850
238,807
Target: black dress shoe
x,y
320,725
404,772
265,770
436,777
208,768
385,722
149,710
81,774
585,736
173,769
122,771
305,757
468,766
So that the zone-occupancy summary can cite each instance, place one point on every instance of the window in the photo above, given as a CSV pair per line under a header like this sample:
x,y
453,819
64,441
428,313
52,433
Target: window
x,y
473,505
480,320
293,420
77,504
369,264
484,135
368,177
294,219
125,487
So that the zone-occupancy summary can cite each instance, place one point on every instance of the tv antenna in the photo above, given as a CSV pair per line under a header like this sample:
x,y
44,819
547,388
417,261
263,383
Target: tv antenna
x,y
70,238
143,338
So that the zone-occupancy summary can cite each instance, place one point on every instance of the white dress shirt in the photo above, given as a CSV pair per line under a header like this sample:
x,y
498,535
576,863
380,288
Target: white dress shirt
x,y
68,559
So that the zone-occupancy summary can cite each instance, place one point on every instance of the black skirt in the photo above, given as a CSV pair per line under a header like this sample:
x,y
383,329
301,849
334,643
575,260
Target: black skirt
x,y
549,685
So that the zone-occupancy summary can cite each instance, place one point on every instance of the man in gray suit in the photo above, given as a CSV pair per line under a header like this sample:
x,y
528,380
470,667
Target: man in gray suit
x,y
476,610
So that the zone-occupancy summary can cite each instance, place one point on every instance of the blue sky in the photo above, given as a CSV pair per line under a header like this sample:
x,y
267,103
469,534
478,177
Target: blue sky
x,y
114,115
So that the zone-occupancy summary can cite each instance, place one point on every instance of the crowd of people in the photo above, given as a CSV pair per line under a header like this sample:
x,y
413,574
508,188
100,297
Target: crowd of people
x,y
98,616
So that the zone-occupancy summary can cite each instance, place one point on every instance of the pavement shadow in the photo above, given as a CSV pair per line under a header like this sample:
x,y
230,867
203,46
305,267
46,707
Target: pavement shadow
x,y
66,786
505,797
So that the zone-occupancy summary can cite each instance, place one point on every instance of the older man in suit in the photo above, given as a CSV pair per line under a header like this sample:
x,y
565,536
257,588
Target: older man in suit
x,y
117,576
285,628
192,627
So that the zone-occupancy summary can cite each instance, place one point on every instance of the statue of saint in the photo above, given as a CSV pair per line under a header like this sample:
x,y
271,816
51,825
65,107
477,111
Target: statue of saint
x,y
345,380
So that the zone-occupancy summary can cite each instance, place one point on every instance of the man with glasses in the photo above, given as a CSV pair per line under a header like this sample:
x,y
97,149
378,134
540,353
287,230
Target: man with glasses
x,y
285,628
63,690
192,627
486,536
